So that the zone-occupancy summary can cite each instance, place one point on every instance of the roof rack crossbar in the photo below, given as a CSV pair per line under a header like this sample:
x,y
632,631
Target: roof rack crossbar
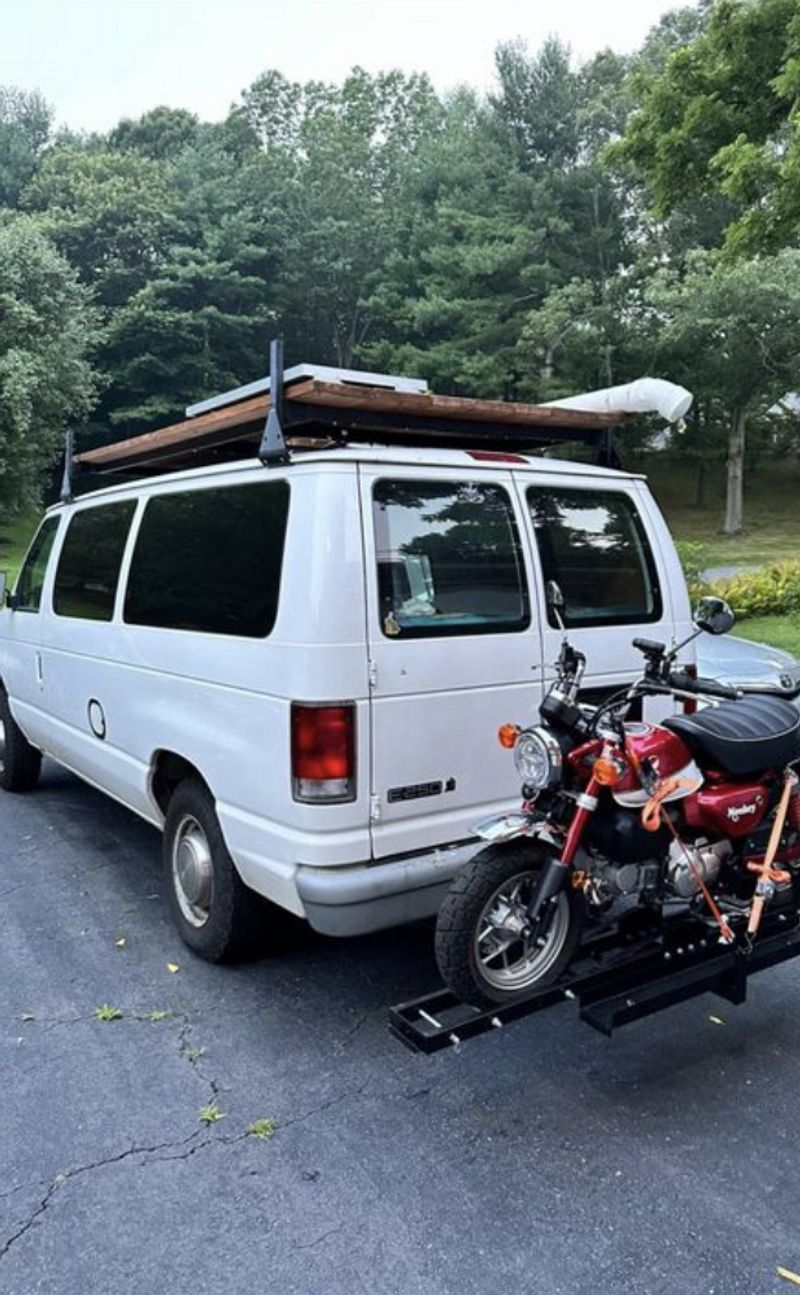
x,y
272,449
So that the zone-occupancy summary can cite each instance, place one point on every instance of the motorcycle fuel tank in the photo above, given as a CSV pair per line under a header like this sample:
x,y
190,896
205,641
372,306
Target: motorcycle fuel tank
x,y
727,808
666,756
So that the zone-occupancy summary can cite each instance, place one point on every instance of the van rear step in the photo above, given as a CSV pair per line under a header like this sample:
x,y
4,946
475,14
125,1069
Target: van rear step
x,y
611,989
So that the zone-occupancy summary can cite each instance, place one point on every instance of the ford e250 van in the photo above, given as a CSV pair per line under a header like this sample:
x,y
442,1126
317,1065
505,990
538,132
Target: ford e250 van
x,y
297,669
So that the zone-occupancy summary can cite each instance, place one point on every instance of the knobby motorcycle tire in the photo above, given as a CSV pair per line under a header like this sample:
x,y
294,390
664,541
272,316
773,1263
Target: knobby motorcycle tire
x,y
460,913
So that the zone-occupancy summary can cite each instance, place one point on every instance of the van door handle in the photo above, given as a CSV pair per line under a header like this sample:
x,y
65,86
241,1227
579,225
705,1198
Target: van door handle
x,y
39,670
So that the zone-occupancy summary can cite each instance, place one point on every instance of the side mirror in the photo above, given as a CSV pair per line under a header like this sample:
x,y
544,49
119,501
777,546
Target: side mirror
x,y
555,602
713,615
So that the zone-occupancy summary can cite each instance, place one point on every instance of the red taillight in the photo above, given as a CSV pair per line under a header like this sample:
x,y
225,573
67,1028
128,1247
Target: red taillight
x,y
690,705
323,752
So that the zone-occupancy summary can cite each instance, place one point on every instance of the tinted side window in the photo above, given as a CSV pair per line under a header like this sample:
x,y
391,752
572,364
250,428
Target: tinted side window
x,y
210,560
593,543
91,556
31,577
449,559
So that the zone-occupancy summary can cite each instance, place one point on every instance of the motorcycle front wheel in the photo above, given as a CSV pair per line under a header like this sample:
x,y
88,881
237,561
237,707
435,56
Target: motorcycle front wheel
x,y
486,949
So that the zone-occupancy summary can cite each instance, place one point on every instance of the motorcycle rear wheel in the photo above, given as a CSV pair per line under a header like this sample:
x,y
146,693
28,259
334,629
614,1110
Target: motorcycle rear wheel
x,y
481,951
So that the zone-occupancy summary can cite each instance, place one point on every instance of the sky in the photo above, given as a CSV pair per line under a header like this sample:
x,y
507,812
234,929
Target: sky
x,y
98,60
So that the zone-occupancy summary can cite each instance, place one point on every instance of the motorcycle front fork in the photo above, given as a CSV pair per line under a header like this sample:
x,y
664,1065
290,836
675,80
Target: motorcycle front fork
x,y
556,872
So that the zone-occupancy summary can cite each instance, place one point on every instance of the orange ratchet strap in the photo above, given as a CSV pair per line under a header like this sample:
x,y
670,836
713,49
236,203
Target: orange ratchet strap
x,y
654,814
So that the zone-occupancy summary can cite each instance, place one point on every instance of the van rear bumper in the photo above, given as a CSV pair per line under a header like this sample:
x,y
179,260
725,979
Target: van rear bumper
x,y
370,897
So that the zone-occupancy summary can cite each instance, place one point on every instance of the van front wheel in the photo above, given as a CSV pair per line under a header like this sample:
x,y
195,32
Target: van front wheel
x,y
20,763
215,913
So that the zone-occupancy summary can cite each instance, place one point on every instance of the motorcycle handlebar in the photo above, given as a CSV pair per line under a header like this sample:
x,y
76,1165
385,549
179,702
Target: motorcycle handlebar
x,y
704,687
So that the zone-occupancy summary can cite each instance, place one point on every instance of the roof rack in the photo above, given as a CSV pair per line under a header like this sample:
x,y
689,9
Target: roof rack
x,y
304,407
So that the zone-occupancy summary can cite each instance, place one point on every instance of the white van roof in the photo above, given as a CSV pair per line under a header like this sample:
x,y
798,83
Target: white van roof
x,y
400,456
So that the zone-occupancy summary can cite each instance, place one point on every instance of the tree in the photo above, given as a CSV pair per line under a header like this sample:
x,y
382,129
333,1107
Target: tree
x,y
731,334
25,124
112,214
200,327
160,134
47,328
720,117
329,179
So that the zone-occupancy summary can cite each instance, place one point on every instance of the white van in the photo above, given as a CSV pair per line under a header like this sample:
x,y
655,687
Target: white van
x,y
297,671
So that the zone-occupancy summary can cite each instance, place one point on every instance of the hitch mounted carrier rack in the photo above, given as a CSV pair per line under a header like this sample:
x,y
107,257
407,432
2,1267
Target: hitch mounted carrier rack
x,y
611,988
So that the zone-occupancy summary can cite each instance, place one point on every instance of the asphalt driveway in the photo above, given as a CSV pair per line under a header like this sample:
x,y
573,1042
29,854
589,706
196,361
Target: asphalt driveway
x,y
543,1159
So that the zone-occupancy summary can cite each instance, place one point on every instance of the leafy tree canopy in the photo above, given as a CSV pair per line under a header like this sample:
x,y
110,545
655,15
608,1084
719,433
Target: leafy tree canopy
x,y
47,329
721,117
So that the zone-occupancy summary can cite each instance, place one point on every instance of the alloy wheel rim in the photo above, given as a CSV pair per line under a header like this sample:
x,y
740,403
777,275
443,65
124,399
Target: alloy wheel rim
x,y
506,957
192,871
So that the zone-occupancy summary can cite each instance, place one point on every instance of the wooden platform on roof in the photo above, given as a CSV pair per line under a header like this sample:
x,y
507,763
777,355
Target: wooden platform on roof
x,y
317,411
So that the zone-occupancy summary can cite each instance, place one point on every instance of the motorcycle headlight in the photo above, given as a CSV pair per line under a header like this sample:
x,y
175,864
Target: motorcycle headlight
x,y
538,758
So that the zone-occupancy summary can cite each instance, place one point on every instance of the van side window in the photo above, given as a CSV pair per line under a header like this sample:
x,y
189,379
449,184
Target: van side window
x,y
31,577
91,556
593,543
210,560
449,559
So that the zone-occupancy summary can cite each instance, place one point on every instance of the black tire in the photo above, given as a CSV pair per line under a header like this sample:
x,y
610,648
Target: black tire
x,y
462,910
20,763
229,920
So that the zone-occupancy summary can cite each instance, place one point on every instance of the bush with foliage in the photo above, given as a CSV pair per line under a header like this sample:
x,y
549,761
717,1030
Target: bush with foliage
x,y
771,591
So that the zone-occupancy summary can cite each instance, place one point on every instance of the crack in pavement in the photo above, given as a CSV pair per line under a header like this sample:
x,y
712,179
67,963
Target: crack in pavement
x,y
182,1148
325,1106
62,1179
309,1245
194,1055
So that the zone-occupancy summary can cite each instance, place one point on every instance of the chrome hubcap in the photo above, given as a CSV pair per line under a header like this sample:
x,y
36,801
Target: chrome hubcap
x,y
512,953
192,871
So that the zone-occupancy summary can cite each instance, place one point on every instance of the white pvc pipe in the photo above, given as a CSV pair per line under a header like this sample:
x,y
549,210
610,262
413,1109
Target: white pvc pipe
x,y
644,396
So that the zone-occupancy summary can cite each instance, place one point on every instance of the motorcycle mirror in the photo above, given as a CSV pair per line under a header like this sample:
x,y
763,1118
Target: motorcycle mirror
x,y
556,603
555,597
713,615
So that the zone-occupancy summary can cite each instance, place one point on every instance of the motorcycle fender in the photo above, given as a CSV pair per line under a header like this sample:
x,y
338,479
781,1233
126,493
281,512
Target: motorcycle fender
x,y
506,827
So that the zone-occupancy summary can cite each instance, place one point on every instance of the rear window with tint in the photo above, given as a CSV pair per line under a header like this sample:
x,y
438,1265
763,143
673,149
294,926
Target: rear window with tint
x,y
449,559
593,544
90,560
210,560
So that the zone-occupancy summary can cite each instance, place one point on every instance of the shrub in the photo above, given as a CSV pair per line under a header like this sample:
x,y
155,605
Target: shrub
x,y
771,591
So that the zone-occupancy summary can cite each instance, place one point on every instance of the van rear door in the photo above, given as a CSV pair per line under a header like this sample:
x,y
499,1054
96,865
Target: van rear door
x,y
596,538
454,644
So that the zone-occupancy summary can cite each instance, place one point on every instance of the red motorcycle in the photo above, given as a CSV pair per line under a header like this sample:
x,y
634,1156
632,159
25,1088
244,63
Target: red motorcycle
x,y
627,826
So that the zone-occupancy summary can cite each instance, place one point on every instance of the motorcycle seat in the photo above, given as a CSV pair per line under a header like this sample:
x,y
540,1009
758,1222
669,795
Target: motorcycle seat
x,y
743,737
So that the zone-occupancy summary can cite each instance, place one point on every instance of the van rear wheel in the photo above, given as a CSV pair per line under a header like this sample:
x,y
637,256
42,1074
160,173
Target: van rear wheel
x,y
216,914
20,763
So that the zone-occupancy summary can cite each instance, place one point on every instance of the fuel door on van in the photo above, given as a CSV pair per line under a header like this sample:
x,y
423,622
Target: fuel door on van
x,y
454,645
595,541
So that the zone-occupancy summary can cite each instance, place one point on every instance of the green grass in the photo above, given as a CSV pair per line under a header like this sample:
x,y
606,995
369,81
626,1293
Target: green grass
x,y
771,515
778,631
15,536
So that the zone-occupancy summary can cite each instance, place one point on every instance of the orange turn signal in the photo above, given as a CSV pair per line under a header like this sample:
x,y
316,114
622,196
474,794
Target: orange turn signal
x,y
607,772
507,735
